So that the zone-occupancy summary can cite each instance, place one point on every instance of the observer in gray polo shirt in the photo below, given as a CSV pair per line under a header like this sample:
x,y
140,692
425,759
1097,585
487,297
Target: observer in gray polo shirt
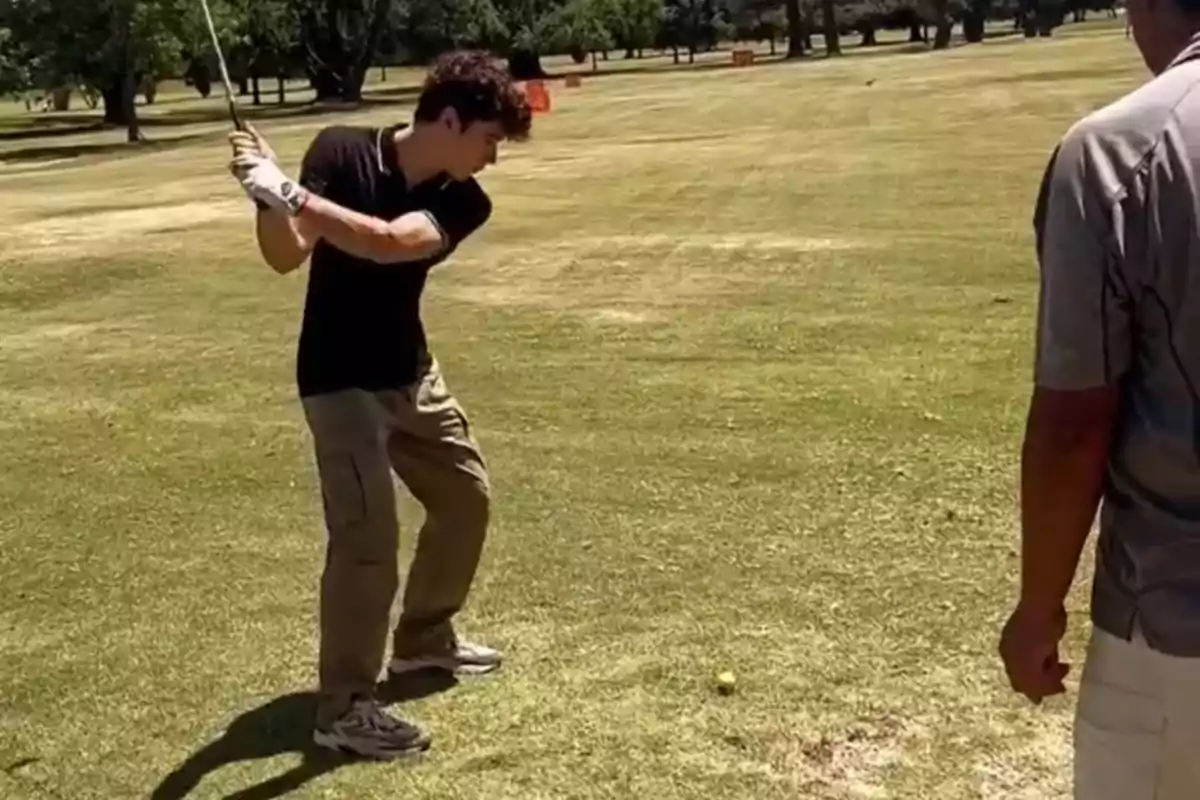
x,y
1115,417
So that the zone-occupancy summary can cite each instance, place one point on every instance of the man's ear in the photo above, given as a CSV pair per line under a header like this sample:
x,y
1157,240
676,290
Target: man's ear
x,y
450,121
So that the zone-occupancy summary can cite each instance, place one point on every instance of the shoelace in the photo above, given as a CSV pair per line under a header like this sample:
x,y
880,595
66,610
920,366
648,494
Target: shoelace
x,y
375,718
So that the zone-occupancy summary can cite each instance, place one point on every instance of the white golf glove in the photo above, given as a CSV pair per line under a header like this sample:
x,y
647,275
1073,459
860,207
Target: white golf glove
x,y
264,182
251,141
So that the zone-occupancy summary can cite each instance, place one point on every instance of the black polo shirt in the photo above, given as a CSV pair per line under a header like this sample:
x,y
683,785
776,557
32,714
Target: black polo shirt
x,y
362,320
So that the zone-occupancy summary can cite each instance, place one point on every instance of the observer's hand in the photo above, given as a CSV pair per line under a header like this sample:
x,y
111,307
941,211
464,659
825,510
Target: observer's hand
x,y
1029,648
264,182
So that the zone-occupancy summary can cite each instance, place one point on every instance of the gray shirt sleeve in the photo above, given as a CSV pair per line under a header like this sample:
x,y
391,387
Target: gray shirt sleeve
x,y
1083,318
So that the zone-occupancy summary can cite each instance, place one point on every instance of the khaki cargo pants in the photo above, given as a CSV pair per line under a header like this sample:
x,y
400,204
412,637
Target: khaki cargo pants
x,y
1137,725
361,438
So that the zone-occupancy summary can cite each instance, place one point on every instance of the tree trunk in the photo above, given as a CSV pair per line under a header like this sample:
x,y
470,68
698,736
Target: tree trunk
x,y
595,64
383,74
255,89
129,103
675,52
795,23
916,32
868,34
338,63
325,83
604,54
282,90
833,44
243,84
942,36
691,54
629,52
973,26
114,109
945,26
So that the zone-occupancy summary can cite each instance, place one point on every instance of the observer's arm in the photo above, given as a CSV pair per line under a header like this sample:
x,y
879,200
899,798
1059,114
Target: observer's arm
x,y
1084,345
1063,463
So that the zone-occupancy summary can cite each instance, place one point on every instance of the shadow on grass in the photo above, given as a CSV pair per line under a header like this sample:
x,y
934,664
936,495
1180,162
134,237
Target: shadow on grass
x,y
283,725
70,123
51,152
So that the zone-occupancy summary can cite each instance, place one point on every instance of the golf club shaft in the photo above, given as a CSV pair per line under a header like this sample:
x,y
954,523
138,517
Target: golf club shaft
x,y
212,30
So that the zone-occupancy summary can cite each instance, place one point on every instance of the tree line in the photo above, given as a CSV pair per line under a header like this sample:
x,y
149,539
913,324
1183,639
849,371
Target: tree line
x,y
112,51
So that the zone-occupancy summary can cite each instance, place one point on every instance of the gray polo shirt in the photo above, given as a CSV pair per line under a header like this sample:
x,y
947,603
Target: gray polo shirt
x,y
1118,241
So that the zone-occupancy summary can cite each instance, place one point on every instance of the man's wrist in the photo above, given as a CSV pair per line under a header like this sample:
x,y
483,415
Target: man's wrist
x,y
1038,601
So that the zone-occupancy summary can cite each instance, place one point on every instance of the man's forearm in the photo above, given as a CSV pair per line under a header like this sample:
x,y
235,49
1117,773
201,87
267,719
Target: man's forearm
x,y
282,241
410,238
1063,465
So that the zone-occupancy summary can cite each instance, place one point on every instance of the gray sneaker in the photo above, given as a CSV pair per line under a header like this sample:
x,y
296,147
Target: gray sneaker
x,y
462,658
369,731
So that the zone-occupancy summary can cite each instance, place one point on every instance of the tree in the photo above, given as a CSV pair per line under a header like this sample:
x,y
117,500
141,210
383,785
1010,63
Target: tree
x,y
14,70
694,24
114,47
797,38
766,20
530,26
634,24
267,34
975,14
580,27
430,27
833,44
340,39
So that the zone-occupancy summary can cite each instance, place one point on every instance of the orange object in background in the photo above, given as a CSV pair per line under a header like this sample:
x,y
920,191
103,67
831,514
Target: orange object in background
x,y
743,58
539,96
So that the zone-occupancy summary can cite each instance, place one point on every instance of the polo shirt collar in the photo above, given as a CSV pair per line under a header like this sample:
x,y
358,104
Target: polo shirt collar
x,y
385,150
1189,53
386,156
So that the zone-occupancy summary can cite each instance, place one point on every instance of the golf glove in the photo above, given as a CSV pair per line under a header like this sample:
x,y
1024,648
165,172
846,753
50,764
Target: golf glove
x,y
265,183
250,141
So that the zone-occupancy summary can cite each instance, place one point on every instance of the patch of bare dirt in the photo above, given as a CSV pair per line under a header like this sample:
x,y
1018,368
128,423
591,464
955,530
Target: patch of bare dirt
x,y
639,274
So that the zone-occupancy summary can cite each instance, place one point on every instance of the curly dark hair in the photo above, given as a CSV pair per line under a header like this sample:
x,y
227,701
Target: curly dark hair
x,y
479,88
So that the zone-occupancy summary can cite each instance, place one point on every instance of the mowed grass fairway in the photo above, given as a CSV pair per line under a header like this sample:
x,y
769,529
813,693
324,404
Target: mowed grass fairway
x,y
748,352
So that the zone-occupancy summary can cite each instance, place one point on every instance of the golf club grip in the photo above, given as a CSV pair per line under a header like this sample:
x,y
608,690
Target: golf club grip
x,y
237,118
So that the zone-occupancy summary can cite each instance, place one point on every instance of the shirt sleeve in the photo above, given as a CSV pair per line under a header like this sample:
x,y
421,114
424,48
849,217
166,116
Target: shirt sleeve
x,y
1083,316
459,210
319,166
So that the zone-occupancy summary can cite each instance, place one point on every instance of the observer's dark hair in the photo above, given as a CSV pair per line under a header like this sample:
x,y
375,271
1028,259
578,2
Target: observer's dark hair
x,y
479,89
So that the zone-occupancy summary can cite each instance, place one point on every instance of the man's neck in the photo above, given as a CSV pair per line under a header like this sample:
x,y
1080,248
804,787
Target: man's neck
x,y
415,154
1189,40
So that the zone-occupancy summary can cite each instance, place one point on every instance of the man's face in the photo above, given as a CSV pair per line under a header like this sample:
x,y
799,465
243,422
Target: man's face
x,y
472,148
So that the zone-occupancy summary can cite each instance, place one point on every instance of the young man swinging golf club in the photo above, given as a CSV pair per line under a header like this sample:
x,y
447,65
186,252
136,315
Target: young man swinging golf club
x,y
376,209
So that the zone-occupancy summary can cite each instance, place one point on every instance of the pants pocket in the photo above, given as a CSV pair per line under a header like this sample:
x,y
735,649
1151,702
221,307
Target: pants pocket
x,y
343,492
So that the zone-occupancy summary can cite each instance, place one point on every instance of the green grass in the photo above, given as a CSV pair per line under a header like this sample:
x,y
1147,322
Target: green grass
x,y
748,352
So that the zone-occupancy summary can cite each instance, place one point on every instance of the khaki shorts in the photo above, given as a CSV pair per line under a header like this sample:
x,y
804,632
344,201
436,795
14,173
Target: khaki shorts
x,y
1137,724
